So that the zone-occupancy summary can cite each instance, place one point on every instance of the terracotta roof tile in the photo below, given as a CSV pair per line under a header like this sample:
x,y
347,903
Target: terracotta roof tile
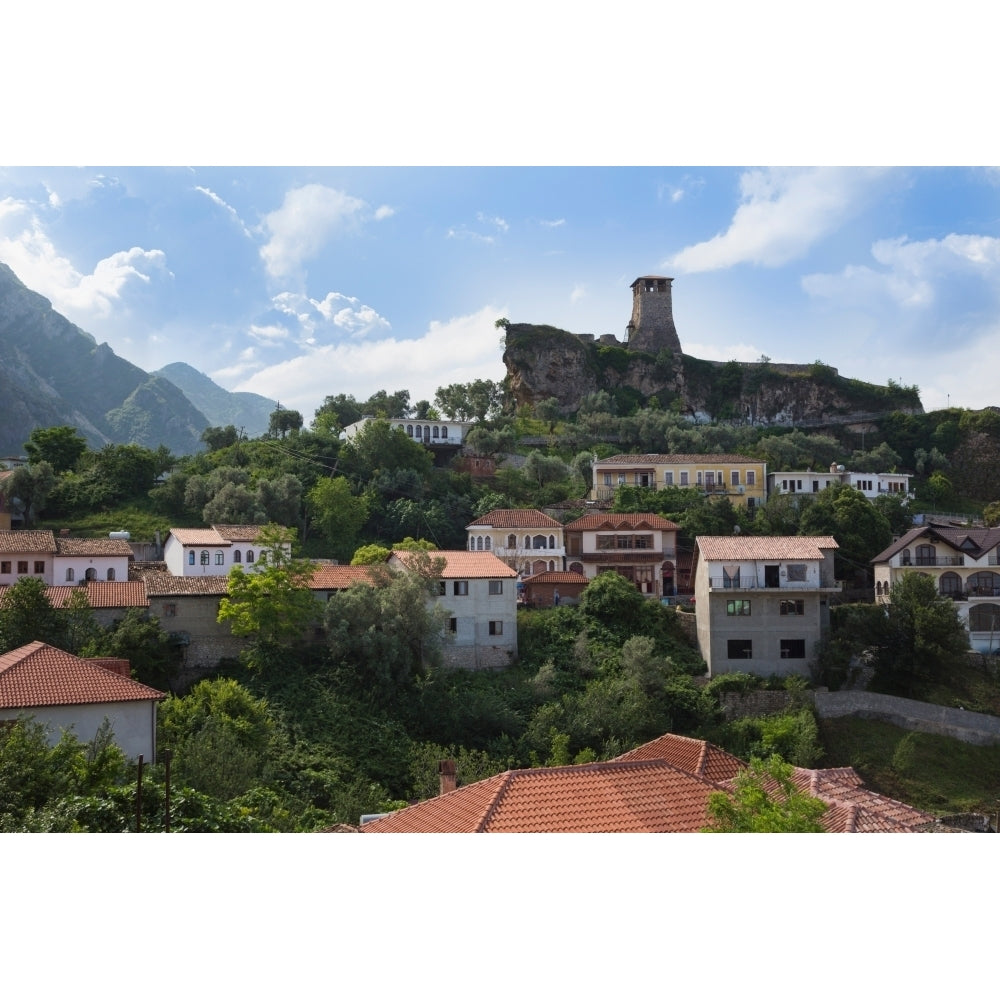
x,y
463,565
100,594
620,522
983,539
198,536
93,547
327,576
556,576
39,674
15,542
653,458
239,532
694,756
161,584
733,547
509,518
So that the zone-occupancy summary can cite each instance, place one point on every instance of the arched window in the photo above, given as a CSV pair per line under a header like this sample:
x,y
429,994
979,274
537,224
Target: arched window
x,y
479,543
984,584
984,618
111,572
220,559
91,573
487,543
926,555
512,541
538,542
552,541
472,544
237,556
69,575
249,555
191,558
204,557
436,433
950,585
409,430
552,565
527,541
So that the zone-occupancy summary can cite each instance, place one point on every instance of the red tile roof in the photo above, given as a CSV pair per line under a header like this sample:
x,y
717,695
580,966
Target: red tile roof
x,y
620,522
462,565
557,576
100,594
510,518
93,547
694,756
39,674
658,459
15,542
199,536
327,576
239,532
734,547
159,583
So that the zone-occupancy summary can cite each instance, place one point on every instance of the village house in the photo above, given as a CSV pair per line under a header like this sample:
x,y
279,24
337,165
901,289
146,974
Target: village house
x,y
550,589
640,547
61,560
965,566
742,480
870,484
526,540
479,592
762,603
66,692
213,551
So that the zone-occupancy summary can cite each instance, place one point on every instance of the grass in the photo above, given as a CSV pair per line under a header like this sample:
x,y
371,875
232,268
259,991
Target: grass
x,y
935,773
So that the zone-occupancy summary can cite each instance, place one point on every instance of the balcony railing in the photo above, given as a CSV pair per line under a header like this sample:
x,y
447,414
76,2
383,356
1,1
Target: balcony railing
x,y
625,555
934,561
721,583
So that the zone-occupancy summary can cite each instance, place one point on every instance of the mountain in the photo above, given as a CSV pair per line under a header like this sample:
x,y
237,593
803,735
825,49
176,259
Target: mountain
x,y
246,410
53,373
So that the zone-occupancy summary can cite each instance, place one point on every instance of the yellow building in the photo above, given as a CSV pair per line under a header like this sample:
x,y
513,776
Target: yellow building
x,y
743,480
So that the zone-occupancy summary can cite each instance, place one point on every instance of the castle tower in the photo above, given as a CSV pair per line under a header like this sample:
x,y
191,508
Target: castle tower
x,y
652,327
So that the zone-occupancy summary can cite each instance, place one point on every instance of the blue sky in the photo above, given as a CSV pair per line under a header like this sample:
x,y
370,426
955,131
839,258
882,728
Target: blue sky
x,y
302,282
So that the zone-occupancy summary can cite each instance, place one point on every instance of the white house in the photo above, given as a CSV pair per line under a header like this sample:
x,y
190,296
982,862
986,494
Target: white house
x,y
870,484
64,692
479,592
212,551
526,540
432,433
59,561
762,602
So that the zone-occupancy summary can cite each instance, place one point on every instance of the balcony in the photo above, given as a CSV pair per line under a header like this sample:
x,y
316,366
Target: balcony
x,y
609,556
824,586
934,561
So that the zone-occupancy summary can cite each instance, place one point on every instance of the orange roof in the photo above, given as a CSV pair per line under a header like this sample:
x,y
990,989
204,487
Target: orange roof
x,y
329,576
39,674
238,532
93,547
734,547
199,536
159,583
694,756
100,594
606,797
557,576
620,522
658,459
16,542
462,565
509,518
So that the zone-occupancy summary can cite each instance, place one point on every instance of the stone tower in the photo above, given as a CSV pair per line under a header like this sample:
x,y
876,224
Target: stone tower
x,y
652,327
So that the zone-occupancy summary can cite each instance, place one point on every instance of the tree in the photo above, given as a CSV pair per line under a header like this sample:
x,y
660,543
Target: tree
x,y
923,637
370,555
338,514
27,616
27,489
141,640
476,400
59,446
384,404
765,800
272,604
612,600
379,446
217,438
283,421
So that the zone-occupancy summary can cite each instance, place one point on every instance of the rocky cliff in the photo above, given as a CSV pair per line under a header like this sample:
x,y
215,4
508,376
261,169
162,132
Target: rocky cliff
x,y
544,362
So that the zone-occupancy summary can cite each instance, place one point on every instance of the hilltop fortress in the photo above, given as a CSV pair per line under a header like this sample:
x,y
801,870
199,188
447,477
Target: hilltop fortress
x,y
649,368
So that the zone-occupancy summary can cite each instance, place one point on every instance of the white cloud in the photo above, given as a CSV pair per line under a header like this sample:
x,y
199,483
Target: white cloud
x,y
782,213
384,212
324,319
495,220
459,350
234,215
269,335
553,223
27,249
464,233
307,219
579,292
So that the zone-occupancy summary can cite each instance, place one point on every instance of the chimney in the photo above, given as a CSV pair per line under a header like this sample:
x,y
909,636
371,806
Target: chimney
x,y
448,776
116,666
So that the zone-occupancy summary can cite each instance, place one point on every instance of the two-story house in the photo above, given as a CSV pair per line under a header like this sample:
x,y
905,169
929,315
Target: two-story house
x,y
871,484
762,603
212,551
59,561
479,591
743,480
526,540
965,566
641,547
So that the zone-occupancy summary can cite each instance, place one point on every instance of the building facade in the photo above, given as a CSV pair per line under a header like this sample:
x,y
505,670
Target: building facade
x,y
213,551
742,480
526,540
762,603
871,484
640,547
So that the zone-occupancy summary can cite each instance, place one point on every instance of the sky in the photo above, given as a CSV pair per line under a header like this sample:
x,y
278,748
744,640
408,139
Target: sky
x,y
303,282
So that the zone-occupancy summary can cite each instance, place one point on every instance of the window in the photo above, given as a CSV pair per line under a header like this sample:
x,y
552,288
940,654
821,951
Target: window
x,y
737,607
668,479
926,555
249,555
460,588
488,543
793,607
442,588
793,649
607,478
70,575
452,624
191,558
709,479
796,572
984,618
496,586
734,477
220,559
496,628
512,541
552,541
169,610
684,479
111,573
39,566
621,478
730,578
479,543
204,557
751,477
739,649
237,556
22,565
5,566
